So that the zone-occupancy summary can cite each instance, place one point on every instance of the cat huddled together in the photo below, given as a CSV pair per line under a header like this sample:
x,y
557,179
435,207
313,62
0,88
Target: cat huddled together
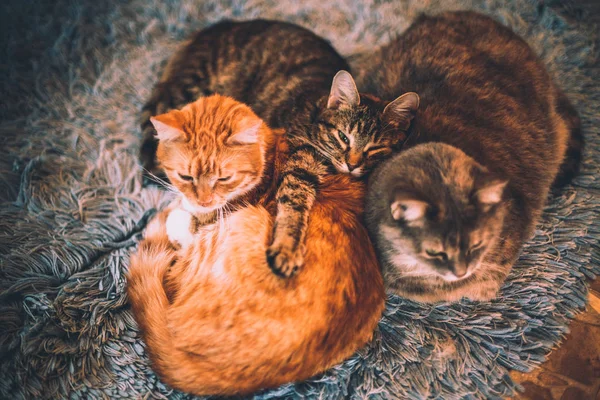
x,y
215,318
342,131
202,285
267,189
450,213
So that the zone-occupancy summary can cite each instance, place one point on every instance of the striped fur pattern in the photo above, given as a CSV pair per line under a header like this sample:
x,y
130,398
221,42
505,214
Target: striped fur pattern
x,y
286,82
213,152
243,60
215,319
450,219
348,134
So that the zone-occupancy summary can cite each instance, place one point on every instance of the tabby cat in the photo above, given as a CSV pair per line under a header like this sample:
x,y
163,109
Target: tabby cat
x,y
283,72
449,220
214,317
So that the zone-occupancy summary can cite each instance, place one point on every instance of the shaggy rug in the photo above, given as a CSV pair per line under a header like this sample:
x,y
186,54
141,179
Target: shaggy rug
x,y
73,78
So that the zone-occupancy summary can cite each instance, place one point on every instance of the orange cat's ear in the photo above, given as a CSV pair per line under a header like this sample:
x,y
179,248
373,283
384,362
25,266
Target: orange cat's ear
x,y
343,93
248,134
168,126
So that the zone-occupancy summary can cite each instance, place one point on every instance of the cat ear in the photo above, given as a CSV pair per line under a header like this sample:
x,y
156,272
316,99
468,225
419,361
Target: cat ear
x,y
344,93
408,209
491,193
400,112
168,126
248,134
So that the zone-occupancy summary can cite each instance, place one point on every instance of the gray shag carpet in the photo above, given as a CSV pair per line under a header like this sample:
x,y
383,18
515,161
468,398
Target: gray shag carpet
x,y
73,78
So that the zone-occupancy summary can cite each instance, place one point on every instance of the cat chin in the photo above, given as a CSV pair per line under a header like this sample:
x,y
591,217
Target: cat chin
x,y
194,209
358,172
449,277
408,265
343,168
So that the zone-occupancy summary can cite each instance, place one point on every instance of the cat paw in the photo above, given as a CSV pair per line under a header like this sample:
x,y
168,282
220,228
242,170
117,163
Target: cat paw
x,y
179,226
284,260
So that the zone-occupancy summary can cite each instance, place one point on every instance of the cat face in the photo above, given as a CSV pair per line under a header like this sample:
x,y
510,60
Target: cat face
x,y
213,151
354,134
444,219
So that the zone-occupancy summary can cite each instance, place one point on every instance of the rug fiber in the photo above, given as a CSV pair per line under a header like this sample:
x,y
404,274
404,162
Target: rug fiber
x,y
74,75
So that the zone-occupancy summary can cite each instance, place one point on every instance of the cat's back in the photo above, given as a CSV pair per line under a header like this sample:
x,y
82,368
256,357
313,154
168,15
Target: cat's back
x,y
244,324
263,63
484,91
454,48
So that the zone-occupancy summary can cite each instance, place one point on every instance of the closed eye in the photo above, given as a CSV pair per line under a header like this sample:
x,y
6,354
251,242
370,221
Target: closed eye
x,y
187,178
437,254
475,247
379,150
224,178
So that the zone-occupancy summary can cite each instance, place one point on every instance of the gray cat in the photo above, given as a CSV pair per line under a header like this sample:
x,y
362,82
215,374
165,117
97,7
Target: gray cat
x,y
449,219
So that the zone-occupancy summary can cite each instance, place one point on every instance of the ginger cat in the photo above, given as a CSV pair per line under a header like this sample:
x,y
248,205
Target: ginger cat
x,y
215,319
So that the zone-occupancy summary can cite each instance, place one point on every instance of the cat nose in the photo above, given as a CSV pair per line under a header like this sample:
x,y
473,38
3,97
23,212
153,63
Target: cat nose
x,y
352,166
353,161
205,201
459,270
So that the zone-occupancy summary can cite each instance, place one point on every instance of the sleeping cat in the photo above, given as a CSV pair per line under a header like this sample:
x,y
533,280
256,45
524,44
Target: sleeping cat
x,y
283,72
214,317
449,220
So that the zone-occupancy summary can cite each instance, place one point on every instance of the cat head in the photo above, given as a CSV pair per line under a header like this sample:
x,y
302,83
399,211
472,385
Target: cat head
x,y
435,212
355,131
212,150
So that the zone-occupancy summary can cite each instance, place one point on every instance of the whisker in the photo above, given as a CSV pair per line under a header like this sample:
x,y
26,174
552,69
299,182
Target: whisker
x,y
169,187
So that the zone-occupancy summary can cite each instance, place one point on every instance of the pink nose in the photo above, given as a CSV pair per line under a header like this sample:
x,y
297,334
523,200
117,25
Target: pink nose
x,y
460,270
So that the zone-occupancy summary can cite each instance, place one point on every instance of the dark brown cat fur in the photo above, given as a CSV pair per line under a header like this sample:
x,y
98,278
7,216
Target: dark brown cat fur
x,y
485,93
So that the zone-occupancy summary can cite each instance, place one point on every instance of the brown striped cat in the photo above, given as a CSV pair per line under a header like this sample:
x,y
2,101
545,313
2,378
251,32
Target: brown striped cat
x,y
449,219
284,73
214,317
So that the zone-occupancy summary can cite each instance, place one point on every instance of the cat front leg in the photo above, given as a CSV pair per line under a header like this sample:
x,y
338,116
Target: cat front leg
x,y
295,197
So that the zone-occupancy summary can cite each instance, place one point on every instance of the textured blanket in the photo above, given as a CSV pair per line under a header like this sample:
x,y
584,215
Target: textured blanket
x,y
73,78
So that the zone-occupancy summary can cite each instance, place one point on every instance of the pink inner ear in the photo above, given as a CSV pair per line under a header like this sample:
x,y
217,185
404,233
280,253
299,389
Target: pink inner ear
x,y
408,209
248,135
491,193
402,110
343,92
168,126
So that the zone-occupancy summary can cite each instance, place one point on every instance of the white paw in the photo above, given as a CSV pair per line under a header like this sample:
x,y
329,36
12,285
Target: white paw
x,y
178,227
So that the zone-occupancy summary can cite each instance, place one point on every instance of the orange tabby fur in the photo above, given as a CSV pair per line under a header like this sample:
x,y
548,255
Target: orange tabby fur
x,y
228,325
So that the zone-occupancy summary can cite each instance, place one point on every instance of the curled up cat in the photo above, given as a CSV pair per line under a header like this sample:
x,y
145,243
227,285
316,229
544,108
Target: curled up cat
x,y
293,79
494,133
215,319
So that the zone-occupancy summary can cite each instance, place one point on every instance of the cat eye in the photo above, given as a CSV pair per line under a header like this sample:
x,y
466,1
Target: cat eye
x,y
224,178
475,247
437,254
343,137
186,177
371,151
